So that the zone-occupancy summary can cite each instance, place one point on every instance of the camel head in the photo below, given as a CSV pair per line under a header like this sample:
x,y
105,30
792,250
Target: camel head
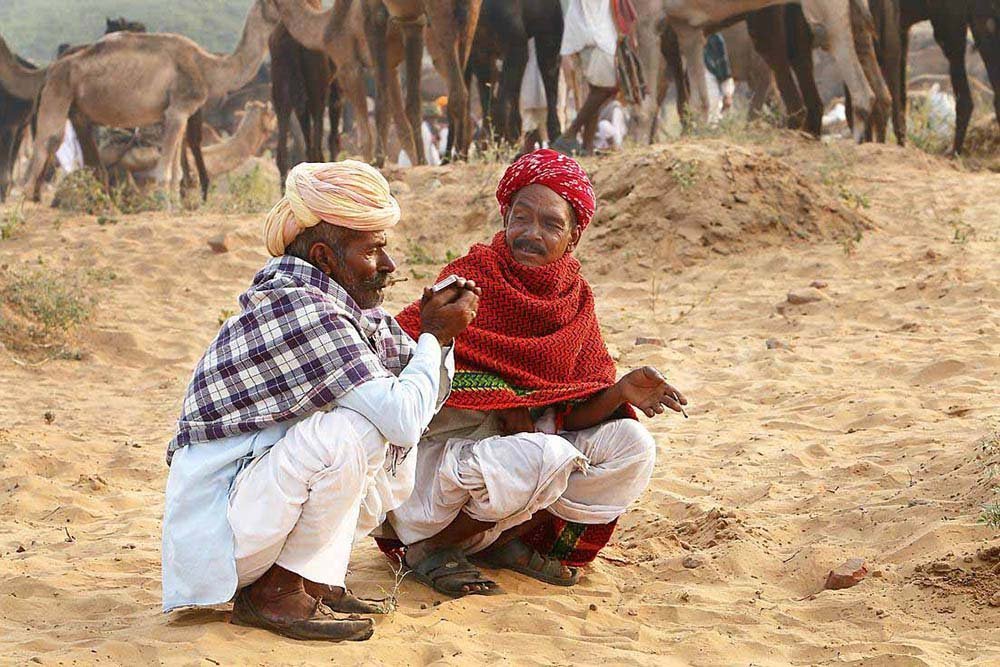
x,y
269,10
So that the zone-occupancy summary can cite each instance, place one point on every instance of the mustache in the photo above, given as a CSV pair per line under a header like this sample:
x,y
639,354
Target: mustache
x,y
381,281
527,245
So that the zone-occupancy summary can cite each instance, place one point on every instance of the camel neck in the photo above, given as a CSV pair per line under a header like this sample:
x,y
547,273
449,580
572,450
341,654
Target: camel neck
x,y
306,23
235,70
245,142
20,81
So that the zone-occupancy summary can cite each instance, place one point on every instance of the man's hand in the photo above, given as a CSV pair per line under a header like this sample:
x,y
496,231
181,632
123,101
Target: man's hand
x,y
445,314
648,391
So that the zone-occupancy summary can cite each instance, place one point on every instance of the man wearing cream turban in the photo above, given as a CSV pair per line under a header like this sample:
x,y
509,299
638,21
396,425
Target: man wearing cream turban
x,y
296,431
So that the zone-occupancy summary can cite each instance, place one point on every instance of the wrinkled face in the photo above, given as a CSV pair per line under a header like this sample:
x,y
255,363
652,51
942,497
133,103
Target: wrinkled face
x,y
540,226
360,264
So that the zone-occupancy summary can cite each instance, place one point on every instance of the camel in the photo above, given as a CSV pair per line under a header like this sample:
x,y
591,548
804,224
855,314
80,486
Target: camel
x,y
503,31
770,43
450,27
950,20
830,19
136,79
256,126
302,81
340,33
15,117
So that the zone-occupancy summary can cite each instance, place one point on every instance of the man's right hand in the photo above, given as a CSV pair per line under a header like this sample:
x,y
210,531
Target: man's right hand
x,y
445,314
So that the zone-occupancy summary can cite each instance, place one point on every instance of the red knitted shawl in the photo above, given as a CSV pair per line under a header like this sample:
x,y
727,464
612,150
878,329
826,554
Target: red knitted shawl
x,y
535,341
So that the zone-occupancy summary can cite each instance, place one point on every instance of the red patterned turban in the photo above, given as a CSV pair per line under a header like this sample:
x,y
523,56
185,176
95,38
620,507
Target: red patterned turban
x,y
559,173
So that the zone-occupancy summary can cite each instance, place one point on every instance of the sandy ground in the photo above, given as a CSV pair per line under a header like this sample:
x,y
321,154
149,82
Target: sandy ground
x,y
865,432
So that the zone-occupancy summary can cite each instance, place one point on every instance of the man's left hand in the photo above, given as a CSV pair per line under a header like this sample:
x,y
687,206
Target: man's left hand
x,y
647,390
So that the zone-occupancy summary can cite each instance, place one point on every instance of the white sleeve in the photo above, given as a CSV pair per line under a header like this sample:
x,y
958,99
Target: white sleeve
x,y
402,407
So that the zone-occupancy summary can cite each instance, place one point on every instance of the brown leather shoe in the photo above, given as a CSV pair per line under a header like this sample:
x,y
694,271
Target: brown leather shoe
x,y
321,625
342,600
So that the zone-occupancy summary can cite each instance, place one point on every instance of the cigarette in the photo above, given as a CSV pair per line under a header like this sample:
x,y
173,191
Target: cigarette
x,y
678,399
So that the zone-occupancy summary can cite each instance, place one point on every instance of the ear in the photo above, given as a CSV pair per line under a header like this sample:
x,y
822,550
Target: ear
x,y
574,237
322,257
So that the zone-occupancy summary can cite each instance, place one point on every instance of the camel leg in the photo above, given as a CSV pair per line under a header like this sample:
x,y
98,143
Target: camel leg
x,y
833,22
335,109
986,33
514,63
904,53
863,30
194,140
53,110
281,152
768,32
354,87
547,55
692,43
648,52
413,48
674,68
887,23
800,44
376,30
403,128
174,122
949,33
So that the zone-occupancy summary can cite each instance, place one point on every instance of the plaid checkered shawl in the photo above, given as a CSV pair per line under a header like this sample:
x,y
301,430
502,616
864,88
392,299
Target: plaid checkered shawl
x,y
298,345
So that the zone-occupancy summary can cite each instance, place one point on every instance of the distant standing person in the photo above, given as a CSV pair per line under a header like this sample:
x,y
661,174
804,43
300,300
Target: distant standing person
x,y
717,64
591,37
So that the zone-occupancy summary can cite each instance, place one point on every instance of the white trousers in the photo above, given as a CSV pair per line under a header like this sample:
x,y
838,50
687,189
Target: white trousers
x,y
303,503
588,476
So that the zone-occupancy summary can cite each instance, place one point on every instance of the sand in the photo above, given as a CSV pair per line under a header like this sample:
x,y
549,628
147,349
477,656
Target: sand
x,y
865,432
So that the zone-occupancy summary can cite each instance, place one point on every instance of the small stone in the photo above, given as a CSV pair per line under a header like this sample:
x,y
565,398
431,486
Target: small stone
x,y
685,596
995,600
741,198
940,567
804,296
968,559
633,612
775,344
850,573
423,605
20,549
643,340
219,243
878,574
819,284
36,660
437,603
49,417
989,554
593,607
692,561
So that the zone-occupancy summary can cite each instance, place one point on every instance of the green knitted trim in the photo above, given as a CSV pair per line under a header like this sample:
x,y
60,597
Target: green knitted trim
x,y
567,540
481,381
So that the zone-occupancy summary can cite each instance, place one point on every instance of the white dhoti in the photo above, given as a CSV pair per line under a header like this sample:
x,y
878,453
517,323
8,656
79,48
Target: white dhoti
x,y
304,502
589,476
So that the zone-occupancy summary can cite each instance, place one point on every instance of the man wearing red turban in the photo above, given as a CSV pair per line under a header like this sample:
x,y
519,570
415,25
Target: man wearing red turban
x,y
537,452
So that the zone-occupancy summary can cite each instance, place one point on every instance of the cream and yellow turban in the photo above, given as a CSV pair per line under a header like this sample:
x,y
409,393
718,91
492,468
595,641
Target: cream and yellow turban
x,y
348,194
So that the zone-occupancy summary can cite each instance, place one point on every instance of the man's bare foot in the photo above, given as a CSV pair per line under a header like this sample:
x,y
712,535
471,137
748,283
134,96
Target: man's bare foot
x,y
517,556
447,570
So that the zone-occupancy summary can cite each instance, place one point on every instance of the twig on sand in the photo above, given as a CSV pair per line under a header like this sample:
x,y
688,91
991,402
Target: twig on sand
x,y
391,601
797,552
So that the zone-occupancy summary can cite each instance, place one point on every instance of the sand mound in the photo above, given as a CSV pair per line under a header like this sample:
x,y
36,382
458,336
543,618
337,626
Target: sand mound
x,y
664,206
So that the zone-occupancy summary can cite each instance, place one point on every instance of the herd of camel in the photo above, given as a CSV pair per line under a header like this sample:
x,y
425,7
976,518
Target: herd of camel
x,y
321,58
